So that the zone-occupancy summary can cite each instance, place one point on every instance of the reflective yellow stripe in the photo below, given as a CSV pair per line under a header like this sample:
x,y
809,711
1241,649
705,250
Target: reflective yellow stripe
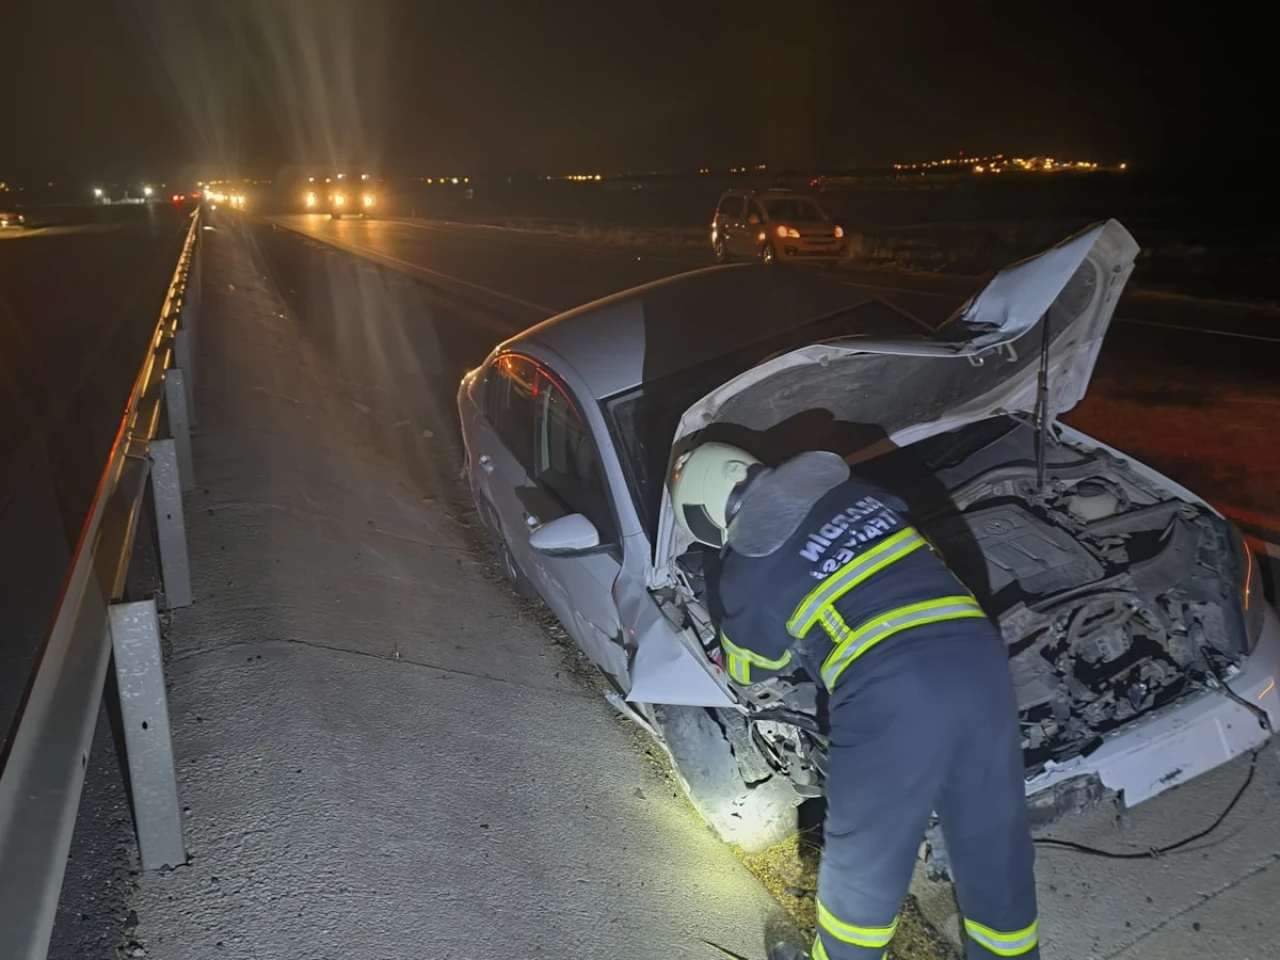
x,y
870,937
849,576
819,951
733,650
834,624
865,637
739,668
1013,944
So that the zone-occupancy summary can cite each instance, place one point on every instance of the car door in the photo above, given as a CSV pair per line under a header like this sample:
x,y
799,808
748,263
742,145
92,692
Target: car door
x,y
731,222
504,441
753,225
569,478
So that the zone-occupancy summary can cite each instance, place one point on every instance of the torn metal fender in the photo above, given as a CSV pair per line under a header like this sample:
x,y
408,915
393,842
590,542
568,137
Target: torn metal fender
x,y
663,669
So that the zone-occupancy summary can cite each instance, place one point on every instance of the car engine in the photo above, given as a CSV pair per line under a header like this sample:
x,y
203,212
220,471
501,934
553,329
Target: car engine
x,y
1114,595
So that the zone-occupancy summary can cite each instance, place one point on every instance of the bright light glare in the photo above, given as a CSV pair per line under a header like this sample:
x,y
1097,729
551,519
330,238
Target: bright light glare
x,y
364,176
311,199
839,232
146,191
367,199
782,233
339,199
97,192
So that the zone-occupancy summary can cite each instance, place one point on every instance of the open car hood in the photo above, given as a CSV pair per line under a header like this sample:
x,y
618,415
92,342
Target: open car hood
x,y
862,397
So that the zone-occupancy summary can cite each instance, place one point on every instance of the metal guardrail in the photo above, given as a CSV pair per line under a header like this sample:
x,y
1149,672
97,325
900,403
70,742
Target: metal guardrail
x,y
43,771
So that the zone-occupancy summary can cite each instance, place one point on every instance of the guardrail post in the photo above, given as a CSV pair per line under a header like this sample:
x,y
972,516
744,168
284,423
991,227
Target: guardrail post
x,y
197,271
183,347
171,531
144,711
175,401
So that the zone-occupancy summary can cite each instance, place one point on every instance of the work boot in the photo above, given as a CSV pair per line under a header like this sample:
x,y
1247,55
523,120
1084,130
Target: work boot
x,y
787,951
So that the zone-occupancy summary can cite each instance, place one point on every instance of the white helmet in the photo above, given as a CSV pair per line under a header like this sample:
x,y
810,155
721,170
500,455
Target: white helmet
x,y
704,483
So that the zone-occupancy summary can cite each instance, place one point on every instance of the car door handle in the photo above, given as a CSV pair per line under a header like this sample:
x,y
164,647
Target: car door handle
x,y
486,462
531,521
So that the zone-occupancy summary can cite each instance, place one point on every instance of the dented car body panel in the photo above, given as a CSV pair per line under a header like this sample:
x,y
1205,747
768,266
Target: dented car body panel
x,y
1127,602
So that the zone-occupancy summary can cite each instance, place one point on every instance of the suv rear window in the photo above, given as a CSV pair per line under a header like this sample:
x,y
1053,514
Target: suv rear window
x,y
730,206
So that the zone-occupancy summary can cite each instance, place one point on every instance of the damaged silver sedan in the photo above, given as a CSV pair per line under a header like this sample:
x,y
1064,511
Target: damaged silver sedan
x,y
1140,644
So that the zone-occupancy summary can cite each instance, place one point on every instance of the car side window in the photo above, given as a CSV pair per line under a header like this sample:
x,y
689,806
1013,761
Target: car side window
x,y
566,461
754,213
512,405
730,207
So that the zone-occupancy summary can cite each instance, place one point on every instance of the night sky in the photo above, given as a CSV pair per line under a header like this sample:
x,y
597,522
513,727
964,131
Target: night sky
x,y
94,89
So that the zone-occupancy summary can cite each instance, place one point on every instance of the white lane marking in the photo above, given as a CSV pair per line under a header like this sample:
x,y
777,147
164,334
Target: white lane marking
x,y
418,268
574,245
1163,324
1191,329
1187,328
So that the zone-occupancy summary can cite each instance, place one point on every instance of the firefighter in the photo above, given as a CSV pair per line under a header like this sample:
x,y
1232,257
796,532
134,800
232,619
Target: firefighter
x,y
822,572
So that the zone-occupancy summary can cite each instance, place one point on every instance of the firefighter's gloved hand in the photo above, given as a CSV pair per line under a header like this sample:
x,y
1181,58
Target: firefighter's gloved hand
x,y
787,951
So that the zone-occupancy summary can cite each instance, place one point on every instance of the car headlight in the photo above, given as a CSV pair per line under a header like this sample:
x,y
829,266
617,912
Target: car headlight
x,y
367,199
339,200
311,199
839,233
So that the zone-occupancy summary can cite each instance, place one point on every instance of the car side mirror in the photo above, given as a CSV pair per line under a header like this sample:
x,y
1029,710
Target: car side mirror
x,y
565,536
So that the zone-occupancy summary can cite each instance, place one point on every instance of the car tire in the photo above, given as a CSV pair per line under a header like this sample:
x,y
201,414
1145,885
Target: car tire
x,y
768,255
752,817
520,584
720,251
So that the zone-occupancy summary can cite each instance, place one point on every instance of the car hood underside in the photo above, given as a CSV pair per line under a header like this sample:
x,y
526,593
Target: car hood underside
x,y
865,397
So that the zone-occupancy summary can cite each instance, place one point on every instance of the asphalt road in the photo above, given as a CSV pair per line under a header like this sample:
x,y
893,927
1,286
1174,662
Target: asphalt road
x,y
1193,387
1175,379
380,754
395,354
77,304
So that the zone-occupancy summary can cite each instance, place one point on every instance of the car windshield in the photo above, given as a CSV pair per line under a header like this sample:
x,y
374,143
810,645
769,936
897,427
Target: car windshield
x,y
794,211
644,419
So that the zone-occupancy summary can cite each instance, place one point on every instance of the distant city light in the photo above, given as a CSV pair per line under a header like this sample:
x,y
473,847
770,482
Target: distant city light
x,y
97,193
999,163
147,191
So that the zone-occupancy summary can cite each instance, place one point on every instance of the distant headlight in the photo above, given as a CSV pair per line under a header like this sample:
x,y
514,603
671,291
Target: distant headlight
x,y
311,199
367,199
339,200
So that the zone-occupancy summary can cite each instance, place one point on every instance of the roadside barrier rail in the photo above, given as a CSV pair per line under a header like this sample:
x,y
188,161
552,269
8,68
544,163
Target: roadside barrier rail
x,y
42,774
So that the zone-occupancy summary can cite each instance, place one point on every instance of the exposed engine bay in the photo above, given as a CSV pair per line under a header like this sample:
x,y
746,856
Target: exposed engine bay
x,y
1115,596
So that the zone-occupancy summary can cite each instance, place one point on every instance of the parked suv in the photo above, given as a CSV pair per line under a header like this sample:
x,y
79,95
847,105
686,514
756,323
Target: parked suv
x,y
774,225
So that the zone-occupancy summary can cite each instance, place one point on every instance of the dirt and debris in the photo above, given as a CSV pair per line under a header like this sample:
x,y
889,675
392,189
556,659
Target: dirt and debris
x,y
789,870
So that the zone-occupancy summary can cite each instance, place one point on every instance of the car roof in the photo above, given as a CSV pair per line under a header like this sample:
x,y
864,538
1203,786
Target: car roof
x,y
640,335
